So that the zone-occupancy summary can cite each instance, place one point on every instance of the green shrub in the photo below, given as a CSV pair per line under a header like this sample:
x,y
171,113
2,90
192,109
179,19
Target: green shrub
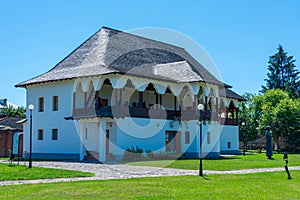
x,y
133,154
150,154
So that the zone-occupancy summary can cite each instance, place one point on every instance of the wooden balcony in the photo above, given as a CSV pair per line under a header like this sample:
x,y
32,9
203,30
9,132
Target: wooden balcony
x,y
228,121
139,112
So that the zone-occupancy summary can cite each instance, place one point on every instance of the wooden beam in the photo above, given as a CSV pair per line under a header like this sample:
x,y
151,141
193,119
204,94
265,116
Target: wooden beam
x,y
120,97
156,100
160,101
195,102
206,104
175,102
116,91
85,101
217,105
141,99
74,102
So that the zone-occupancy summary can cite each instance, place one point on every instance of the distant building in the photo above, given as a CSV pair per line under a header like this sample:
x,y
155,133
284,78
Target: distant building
x,y
118,90
3,103
8,127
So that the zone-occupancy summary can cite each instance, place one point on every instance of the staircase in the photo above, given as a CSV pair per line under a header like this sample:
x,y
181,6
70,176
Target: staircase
x,y
91,156
110,157
91,99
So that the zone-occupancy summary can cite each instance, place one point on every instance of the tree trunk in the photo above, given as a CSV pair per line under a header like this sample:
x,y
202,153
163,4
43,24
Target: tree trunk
x,y
276,142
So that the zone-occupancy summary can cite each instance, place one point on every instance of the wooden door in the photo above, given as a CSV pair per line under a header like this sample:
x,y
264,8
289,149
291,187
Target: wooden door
x,y
177,142
173,141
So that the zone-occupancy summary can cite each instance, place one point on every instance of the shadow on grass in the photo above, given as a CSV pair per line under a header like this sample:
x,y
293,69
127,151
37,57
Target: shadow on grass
x,y
205,178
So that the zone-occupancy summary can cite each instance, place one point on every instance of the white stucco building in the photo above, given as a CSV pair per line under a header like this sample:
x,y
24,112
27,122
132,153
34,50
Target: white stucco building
x,y
118,90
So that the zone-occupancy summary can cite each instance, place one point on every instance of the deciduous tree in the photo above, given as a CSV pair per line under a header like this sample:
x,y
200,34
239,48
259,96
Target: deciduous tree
x,y
280,112
10,111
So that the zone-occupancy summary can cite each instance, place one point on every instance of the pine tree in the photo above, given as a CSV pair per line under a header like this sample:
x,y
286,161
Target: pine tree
x,y
282,74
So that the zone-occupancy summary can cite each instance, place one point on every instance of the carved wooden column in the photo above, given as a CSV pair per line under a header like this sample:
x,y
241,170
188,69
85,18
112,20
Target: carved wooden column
x,y
181,105
160,101
205,103
85,102
141,95
195,103
175,102
120,97
116,94
74,102
156,101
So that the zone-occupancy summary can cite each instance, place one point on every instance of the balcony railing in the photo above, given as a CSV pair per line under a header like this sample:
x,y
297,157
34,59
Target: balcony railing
x,y
139,112
228,121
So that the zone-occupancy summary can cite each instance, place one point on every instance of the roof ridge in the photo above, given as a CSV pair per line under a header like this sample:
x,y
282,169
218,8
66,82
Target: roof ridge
x,y
126,50
142,37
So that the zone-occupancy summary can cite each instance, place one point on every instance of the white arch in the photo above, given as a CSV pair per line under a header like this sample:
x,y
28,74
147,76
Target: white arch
x,y
188,94
227,102
97,84
194,88
118,82
85,85
160,89
236,104
176,89
140,84
76,85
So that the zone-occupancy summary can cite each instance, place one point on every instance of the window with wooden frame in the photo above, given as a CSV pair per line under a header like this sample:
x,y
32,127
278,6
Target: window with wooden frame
x,y
40,135
208,137
41,104
187,137
55,134
228,145
55,103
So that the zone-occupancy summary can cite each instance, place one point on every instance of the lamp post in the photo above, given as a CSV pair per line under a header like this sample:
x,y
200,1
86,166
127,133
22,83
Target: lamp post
x,y
30,107
244,138
200,107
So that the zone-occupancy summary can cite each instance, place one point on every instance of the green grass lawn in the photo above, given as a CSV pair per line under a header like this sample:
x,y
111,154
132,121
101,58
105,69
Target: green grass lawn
x,y
228,163
246,186
21,172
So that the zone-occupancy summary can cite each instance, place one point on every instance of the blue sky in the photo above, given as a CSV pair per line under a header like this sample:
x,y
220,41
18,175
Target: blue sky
x,y
238,35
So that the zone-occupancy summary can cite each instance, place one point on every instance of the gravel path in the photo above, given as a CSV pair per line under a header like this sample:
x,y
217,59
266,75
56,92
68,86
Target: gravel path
x,y
122,171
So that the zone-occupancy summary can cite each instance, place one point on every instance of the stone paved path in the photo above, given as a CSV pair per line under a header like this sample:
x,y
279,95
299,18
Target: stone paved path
x,y
122,171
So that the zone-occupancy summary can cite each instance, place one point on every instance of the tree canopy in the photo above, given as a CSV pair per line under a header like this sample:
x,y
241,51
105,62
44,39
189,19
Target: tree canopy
x,y
248,122
282,74
274,108
280,112
10,111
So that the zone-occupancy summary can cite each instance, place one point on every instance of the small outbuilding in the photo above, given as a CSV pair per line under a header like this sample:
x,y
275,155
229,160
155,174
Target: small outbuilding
x,y
8,127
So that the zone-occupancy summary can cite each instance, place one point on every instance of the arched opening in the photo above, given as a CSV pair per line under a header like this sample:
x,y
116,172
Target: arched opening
x,y
232,114
222,109
232,111
79,97
103,97
211,104
150,97
127,94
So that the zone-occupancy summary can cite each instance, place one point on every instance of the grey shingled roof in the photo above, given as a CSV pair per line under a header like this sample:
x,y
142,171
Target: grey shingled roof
x,y
230,94
111,51
11,122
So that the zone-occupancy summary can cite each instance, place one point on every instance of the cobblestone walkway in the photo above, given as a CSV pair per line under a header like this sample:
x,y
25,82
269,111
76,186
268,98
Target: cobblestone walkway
x,y
122,171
